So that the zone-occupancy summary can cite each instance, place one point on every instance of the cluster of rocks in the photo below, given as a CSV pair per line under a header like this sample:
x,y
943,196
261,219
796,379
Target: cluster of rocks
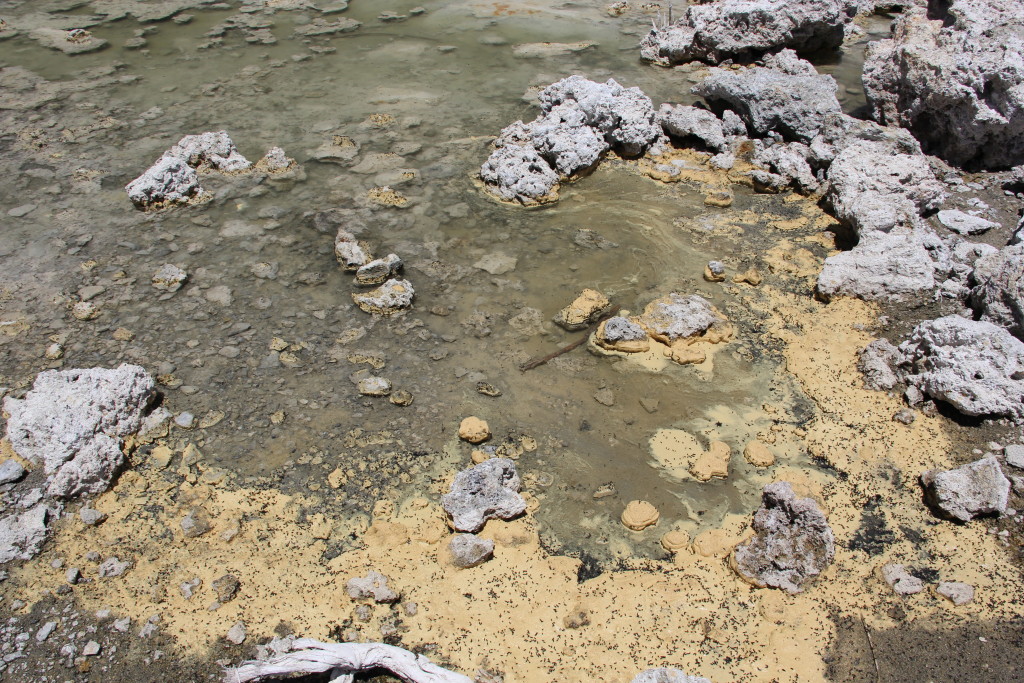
x,y
392,294
174,177
580,120
675,320
489,490
953,74
904,582
74,424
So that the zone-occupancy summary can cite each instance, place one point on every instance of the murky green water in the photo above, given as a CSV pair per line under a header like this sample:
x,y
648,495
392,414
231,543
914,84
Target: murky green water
x,y
447,80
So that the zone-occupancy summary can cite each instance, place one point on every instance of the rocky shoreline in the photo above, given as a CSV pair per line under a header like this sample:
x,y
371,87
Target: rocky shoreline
x,y
130,544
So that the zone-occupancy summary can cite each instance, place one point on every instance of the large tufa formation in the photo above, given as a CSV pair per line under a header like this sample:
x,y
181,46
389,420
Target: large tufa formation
x,y
954,76
793,542
174,178
580,120
73,422
742,29
786,95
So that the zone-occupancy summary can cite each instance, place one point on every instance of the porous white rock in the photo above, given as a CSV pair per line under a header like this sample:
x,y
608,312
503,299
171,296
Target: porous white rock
x,y
974,365
793,542
878,362
73,422
964,223
838,131
693,122
209,150
391,297
954,76
22,533
712,32
882,266
520,174
169,181
998,288
489,490
469,550
677,317
786,95
872,188
667,675
963,493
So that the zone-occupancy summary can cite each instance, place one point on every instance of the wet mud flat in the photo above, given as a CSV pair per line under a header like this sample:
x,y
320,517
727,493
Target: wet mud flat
x,y
304,483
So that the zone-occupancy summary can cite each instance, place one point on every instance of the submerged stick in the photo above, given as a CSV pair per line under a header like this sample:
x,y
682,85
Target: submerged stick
x,y
871,647
311,656
565,349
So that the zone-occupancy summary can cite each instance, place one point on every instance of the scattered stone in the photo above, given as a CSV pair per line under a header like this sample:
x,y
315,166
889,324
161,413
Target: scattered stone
x,y
956,592
487,389
714,462
91,648
474,430
905,416
497,264
758,454
621,334
964,223
583,311
91,517
73,576
185,420
900,580
22,534
787,95
974,489
112,567
85,310
73,422
973,365
401,398
639,514
10,471
373,586
391,297
605,396
21,211
220,294
169,278
226,587
188,588
374,386
236,634
195,523
54,352
350,254
793,542
377,271
878,361
1014,455
666,675
43,633
469,550
742,30
489,490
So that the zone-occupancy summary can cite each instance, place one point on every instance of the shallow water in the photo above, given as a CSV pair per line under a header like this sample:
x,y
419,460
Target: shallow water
x,y
442,106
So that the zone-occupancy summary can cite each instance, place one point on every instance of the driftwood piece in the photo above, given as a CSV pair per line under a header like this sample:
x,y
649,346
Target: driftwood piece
x,y
565,349
310,656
